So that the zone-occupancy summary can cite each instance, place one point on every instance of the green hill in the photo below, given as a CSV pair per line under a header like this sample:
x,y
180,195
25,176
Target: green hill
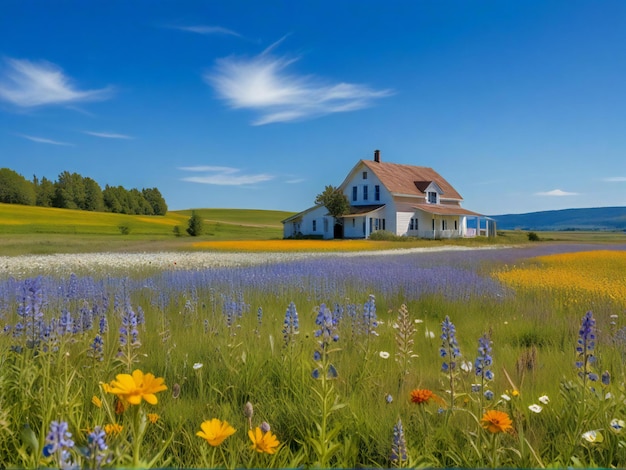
x,y
31,229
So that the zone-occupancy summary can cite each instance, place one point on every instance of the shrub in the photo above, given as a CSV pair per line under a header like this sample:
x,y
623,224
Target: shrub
x,y
533,237
124,229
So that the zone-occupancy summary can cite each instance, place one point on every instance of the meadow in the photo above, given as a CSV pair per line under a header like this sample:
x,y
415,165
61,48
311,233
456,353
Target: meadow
x,y
504,357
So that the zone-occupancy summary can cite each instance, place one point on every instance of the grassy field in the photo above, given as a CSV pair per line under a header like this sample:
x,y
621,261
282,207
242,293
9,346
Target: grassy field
x,y
36,230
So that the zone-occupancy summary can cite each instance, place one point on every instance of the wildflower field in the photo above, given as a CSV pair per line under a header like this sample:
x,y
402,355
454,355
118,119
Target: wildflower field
x,y
510,357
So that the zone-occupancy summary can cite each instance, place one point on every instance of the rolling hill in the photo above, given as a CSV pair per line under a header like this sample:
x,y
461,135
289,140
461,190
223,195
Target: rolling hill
x,y
596,218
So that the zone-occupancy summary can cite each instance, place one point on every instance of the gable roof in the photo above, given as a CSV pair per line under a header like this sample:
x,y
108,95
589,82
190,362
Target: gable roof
x,y
409,180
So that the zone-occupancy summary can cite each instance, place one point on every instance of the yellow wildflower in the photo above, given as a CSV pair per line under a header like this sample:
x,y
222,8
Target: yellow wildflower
x,y
136,387
264,442
215,431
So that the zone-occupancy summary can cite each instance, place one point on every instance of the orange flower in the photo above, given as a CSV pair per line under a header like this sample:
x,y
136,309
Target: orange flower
x,y
113,429
263,441
96,401
496,421
153,417
136,387
423,395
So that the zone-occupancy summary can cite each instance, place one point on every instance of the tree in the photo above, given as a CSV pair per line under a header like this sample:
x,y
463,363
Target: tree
x,y
94,200
153,196
334,200
15,189
195,225
44,189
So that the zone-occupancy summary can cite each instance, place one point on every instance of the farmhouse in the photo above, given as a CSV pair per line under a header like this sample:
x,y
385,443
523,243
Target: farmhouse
x,y
402,199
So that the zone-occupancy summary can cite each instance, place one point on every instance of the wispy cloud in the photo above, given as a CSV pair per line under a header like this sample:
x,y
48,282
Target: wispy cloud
x,y
263,84
28,84
295,181
207,30
107,135
41,140
556,192
615,179
223,176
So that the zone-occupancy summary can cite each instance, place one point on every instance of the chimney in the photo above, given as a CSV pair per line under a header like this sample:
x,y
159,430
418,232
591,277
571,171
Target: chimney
x,y
377,156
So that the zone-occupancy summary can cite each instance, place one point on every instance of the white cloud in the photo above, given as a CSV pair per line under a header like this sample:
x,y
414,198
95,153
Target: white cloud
x,y
207,30
108,135
28,84
295,181
41,140
263,84
223,176
556,192
615,179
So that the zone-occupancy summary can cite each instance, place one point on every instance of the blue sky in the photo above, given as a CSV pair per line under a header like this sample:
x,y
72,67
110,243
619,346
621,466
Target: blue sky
x,y
520,105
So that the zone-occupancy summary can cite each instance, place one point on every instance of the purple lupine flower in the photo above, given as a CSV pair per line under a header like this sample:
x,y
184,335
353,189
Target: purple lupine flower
x,y
96,349
291,324
369,316
484,360
398,445
449,346
97,447
58,444
128,330
606,378
326,333
585,347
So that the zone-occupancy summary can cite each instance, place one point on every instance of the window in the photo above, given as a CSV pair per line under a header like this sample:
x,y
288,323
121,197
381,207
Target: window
x,y
354,193
377,193
456,227
411,224
443,225
432,197
353,222
383,224
326,225
314,225
433,225
365,193
365,175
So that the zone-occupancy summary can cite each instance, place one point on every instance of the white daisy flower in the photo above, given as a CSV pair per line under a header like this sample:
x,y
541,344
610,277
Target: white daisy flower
x,y
544,399
535,408
384,354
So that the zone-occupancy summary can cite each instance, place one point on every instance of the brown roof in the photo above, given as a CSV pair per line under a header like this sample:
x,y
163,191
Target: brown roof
x,y
409,180
443,209
365,209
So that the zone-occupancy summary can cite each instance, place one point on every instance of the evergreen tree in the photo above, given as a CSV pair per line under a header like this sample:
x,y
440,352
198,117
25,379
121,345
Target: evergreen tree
x,y
195,225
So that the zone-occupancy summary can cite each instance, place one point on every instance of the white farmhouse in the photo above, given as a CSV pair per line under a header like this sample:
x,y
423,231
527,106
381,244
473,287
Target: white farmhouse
x,y
402,199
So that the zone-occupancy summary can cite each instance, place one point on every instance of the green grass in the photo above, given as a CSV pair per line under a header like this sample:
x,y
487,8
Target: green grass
x,y
37,230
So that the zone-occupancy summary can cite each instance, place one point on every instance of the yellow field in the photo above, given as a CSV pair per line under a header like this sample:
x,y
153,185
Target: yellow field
x,y
294,245
576,275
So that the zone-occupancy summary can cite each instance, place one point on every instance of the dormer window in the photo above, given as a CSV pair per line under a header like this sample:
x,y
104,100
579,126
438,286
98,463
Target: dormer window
x,y
432,197
365,175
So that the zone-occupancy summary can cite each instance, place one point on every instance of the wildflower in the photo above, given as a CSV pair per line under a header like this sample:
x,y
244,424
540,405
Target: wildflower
x,y
466,366
265,426
585,346
515,393
175,391
388,398
398,446
96,446
197,365
58,443
384,354
449,347
535,408
476,388
593,436
136,387
96,401
369,316
617,425
429,334
153,417
215,431
606,378
291,324
496,421
422,395
263,442
544,399
488,395
505,397
114,429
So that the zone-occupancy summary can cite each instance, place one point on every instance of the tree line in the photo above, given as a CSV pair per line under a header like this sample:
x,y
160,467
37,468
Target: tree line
x,y
73,191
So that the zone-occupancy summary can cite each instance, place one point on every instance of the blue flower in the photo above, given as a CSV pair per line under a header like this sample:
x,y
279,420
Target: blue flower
x,y
449,346
398,445
58,443
484,359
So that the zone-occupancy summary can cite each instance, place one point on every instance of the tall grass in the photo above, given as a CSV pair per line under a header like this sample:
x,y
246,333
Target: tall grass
x,y
219,340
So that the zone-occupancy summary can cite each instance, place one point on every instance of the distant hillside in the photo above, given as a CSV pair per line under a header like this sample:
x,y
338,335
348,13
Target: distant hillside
x,y
597,218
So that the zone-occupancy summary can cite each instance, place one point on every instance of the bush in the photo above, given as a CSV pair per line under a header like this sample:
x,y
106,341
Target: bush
x,y
384,235
124,229
176,231
196,225
533,237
